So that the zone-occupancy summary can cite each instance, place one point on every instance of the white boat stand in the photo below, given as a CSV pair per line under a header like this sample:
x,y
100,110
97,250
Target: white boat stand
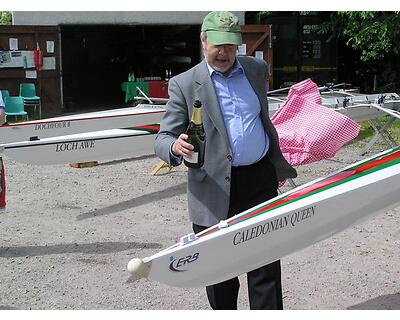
x,y
382,132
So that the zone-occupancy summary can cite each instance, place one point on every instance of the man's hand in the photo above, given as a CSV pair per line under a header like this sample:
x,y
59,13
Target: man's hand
x,y
181,147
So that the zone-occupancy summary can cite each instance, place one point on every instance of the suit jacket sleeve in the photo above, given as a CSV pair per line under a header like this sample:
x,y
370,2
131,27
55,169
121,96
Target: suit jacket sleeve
x,y
174,122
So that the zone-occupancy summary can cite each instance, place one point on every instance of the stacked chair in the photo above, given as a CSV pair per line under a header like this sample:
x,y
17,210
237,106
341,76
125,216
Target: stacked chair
x,y
28,92
14,106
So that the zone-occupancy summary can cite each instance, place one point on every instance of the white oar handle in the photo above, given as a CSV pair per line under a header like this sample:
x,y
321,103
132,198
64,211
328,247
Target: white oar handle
x,y
139,268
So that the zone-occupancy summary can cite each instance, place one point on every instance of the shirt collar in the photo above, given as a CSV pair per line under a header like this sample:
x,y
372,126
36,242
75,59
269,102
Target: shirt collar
x,y
237,67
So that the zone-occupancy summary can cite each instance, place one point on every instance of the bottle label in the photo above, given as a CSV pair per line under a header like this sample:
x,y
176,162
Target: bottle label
x,y
193,159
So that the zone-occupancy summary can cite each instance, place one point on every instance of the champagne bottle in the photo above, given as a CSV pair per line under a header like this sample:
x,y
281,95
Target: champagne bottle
x,y
196,137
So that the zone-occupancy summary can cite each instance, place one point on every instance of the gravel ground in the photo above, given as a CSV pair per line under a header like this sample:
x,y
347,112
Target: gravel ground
x,y
68,234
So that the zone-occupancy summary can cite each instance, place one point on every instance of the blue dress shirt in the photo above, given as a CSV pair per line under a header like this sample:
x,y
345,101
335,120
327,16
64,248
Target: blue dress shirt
x,y
240,108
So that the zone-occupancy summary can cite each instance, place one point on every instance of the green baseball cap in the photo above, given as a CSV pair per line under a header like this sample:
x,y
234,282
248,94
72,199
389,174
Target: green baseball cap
x,y
222,27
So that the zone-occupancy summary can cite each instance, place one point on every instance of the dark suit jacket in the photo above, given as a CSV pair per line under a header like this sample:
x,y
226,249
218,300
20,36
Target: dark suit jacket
x,y
208,187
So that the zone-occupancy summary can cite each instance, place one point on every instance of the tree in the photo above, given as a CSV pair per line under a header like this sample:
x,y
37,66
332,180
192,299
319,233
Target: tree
x,y
375,37
369,46
376,34
5,17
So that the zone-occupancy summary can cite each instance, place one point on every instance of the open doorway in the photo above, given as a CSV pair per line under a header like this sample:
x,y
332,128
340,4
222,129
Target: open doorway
x,y
96,59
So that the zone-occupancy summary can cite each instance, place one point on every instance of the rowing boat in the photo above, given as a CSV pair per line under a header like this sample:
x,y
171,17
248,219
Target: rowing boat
x,y
97,145
278,227
81,123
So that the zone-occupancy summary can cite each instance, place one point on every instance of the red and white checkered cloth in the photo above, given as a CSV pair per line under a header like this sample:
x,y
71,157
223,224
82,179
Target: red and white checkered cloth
x,y
306,89
307,130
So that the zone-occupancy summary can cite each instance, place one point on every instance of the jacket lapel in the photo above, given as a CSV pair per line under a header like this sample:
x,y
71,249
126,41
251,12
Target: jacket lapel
x,y
258,87
206,94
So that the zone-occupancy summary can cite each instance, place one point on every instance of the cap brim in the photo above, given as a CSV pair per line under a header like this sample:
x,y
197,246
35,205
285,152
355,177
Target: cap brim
x,y
222,37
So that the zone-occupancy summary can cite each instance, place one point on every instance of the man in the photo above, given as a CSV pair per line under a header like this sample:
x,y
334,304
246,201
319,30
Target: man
x,y
243,161
2,176
2,111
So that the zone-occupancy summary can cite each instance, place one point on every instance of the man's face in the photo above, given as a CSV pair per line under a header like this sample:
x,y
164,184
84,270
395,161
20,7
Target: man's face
x,y
220,57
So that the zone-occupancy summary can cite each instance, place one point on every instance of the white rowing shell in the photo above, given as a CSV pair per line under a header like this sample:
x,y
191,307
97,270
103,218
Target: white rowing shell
x,y
80,123
142,114
98,145
278,227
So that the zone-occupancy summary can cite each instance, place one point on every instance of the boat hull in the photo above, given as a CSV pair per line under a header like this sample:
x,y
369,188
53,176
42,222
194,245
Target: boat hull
x,y
281,226
99,145
81,123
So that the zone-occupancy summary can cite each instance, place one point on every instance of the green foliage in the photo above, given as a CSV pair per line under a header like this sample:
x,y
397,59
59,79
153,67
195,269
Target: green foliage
x,y
5,18
371,42
374,33
367,133
263,14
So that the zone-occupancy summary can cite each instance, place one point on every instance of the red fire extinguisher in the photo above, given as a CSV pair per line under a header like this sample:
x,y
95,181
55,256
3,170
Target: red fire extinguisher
x,y
38,57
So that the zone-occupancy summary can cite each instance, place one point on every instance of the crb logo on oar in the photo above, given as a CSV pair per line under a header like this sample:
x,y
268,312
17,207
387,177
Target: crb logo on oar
x,y
178,263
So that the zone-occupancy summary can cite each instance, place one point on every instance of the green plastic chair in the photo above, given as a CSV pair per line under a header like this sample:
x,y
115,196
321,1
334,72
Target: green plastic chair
x,y
28,92
14,106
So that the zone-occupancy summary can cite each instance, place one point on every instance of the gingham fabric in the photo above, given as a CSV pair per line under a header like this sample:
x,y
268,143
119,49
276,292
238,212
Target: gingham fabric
x,y
307,89
307,130
2,186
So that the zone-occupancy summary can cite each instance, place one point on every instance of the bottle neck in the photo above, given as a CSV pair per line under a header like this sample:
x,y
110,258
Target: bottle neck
x,y
196,116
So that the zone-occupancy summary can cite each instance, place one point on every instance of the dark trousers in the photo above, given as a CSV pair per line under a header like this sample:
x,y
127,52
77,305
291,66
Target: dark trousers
x,y
250,185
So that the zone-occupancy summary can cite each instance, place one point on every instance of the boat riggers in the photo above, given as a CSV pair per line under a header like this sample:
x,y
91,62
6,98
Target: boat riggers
x,y
2,186
280,226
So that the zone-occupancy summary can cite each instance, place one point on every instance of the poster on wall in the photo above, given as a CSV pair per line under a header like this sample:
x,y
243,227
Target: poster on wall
x,y
242,50
259,55
50,46
5,57
13,42
16,59
49,63
31,74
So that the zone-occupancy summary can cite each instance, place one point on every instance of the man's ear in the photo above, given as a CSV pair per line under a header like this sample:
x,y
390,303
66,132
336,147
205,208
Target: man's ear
x,y
203,39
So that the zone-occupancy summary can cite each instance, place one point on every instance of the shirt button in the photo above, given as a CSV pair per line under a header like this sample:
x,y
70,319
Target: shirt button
x,y
227,179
